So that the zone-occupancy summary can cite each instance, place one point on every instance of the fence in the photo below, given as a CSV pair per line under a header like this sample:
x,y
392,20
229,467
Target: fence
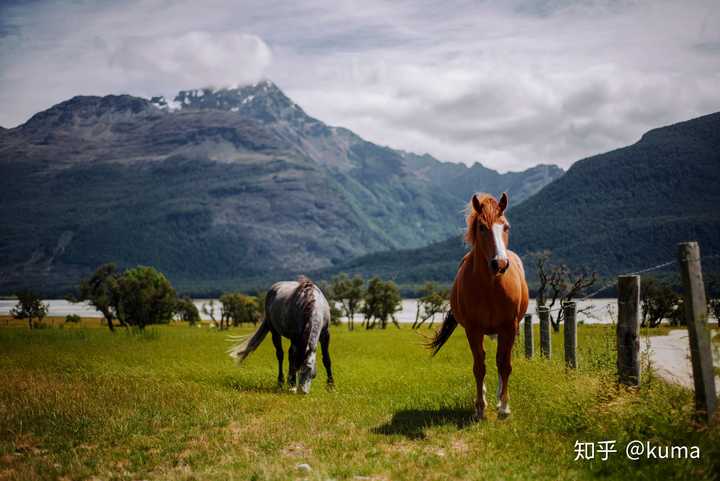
x,y
628,329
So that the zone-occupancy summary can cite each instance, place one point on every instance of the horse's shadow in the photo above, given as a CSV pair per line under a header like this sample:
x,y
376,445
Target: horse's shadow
x,y
412,423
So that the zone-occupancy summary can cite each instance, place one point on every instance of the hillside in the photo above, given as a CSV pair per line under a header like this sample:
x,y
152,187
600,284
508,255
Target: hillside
x,y
616,212
217,188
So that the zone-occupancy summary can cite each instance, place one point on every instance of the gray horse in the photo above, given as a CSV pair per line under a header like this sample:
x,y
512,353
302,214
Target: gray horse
x,y
300,312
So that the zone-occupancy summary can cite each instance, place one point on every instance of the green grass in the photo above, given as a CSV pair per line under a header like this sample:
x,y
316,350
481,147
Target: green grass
x,y
80,403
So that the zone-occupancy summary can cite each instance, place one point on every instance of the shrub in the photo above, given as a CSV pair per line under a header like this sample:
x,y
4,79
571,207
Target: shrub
x,y
238,308
187,311
145,297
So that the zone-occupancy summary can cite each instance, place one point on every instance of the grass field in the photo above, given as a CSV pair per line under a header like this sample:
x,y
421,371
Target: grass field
x,y
82,403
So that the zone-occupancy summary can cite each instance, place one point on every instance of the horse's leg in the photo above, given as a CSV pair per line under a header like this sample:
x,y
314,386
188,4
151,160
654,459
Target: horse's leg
x,y
504,366
325,346
475,339
292,368
277,342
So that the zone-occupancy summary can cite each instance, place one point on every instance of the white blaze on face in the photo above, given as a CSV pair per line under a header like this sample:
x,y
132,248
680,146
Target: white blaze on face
x,y
500,252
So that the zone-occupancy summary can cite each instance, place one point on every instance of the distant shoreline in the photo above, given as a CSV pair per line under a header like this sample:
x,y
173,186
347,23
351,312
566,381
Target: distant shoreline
x,y
62,308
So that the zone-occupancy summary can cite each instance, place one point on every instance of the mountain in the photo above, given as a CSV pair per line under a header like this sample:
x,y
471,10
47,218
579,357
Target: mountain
x,y
464,181
617,212
218,188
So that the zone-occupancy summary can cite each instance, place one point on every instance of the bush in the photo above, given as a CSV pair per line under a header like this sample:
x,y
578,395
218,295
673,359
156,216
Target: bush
x,y
145,297
73,318
187,311
238,308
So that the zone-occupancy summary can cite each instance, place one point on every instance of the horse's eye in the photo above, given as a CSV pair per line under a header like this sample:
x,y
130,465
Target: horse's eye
x,y
481,227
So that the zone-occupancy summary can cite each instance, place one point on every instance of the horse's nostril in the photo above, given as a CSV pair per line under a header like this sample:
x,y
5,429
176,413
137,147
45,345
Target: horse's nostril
x,y
495,265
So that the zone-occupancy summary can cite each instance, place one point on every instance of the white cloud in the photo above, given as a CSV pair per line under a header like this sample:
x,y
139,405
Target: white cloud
x,y
195,59
509,84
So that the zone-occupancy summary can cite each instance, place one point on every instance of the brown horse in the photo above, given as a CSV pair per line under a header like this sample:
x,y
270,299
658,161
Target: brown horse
x,y
489,295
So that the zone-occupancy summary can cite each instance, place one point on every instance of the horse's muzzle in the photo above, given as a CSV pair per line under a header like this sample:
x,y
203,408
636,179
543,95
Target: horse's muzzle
x,y
499,266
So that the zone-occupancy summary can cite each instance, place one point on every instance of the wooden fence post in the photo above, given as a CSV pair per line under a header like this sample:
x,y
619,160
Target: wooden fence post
x,y
570,332
628,330
545,339
696,315
528,336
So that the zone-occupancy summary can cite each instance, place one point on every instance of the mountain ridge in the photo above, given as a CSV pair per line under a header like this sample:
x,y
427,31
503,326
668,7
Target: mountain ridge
x,y
205,192
615,212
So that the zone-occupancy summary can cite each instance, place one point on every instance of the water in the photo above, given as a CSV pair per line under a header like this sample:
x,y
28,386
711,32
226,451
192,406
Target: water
x,y
597,310
62,308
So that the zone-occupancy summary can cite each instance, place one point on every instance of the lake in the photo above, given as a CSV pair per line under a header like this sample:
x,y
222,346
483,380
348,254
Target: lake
x,y
591,311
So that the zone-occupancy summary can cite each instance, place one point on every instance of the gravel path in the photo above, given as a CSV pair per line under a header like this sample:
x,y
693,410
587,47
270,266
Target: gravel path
x,y
671,358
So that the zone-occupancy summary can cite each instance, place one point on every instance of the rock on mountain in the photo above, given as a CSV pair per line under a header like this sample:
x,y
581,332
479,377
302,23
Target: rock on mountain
x,y
219,189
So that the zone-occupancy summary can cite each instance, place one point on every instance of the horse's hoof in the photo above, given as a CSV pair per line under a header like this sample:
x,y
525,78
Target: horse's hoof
x,y
293,389
503,413
330,386
479,415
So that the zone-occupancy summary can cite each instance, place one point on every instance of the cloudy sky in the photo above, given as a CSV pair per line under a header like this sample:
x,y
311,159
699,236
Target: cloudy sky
x,y
506,83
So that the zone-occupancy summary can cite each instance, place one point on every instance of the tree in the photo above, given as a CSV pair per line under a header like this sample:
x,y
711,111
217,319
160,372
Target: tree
x,y
208,309
434,300
382,300
677,316
145,297
29,307
187,311
261,298
541,258
350,293
101,291
658,301
714,308
563,283
238,308
713,299
72,318
335,312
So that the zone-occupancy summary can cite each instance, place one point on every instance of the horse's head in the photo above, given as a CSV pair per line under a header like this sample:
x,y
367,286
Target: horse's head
x,y
488,230
306,372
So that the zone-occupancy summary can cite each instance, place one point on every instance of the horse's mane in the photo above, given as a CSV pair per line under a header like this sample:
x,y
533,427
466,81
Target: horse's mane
x,y
490,213
304,299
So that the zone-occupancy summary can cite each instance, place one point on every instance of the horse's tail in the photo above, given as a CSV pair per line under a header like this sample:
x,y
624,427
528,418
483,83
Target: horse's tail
x,y
438,340
250,343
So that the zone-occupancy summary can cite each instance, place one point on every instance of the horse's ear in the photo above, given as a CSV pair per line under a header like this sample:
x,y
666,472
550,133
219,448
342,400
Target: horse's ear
x,y
503,202
476,204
